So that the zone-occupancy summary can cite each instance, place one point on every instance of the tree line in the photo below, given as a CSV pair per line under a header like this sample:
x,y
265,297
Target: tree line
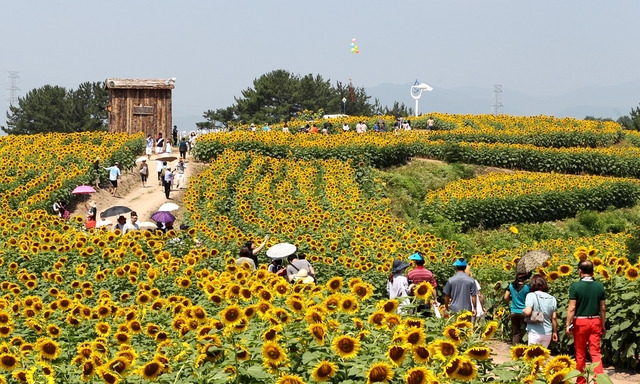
x,y
56,109
274,97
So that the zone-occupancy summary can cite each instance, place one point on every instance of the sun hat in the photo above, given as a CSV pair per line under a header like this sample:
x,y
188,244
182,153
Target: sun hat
x,y
416,256
460,263
303,276
399,265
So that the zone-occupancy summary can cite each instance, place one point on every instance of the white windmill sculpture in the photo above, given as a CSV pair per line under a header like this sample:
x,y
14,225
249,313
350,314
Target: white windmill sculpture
x,y
416,92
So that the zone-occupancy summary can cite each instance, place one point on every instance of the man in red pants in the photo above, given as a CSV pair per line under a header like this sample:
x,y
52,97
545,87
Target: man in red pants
x,y
586,317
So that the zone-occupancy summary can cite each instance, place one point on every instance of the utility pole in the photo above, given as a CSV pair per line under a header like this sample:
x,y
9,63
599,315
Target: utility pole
x,y
497,99
13,87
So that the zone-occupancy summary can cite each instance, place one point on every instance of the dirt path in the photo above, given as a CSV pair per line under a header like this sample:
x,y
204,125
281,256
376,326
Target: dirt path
x,y
501,354
144,200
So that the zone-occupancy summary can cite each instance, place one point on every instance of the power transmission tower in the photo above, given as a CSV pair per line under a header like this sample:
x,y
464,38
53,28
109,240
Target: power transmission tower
x,y
497,99
13,87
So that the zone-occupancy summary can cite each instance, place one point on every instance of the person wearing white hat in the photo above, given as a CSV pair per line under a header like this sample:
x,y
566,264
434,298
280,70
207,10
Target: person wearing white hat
x,y
302,276
460,291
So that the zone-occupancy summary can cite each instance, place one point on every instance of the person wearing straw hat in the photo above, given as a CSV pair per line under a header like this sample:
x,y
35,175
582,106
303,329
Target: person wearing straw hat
x,y
397,284
295,265
460,291
303,277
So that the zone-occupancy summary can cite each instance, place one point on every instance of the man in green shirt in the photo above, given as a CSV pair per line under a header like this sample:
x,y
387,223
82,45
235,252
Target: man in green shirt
x,y
586,317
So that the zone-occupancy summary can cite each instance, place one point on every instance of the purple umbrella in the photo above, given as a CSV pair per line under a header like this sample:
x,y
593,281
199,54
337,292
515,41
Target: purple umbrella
x,y
163,217
83,190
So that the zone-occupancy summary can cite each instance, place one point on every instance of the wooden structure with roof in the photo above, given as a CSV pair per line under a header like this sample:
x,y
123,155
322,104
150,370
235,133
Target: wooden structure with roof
x,y
137,105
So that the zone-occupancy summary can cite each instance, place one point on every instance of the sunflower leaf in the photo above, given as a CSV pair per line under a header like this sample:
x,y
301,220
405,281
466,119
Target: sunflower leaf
x,y
257,372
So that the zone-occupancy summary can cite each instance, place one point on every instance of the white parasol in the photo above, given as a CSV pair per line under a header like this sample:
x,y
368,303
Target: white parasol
x,y
281,251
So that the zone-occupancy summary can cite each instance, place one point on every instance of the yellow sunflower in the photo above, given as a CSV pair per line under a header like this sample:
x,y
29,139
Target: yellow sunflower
x,y
379,373
442,349
557,364
631,273
151,370
318,331
421,354
534,351
423,291
289,379
461,368
49,349
453,333
397,353
415,336
564,270
558,377
335,284
231,315
273,354
479,352
489,330
8,362
517,351
345,346
420,375
324,371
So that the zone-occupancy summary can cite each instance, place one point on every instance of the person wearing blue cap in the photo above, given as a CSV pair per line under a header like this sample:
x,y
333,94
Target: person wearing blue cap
x,y
460,291
419,274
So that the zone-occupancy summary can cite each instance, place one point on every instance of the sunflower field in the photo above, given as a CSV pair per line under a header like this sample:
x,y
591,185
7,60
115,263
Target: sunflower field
x,y
94,306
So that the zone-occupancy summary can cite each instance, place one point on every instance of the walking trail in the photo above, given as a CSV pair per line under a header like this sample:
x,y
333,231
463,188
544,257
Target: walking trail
x,y
146,201
143,200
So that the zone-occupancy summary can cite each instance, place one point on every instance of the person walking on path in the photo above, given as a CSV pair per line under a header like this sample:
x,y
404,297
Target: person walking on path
x,y
159,144
539,300
398,285
183,147
480,311
460,291
114,175
516,292
160,166
419,274
149,148
167,181
586,317
144,173
180,167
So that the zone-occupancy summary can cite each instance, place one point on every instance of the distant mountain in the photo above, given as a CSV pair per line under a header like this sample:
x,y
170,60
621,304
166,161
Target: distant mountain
x,y
608,101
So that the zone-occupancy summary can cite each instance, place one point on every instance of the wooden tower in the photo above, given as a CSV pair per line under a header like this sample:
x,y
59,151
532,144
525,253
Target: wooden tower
x,y
137,105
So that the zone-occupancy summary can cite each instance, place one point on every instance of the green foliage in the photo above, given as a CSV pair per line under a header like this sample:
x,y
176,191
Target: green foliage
x,y
279,96
554,205
54,109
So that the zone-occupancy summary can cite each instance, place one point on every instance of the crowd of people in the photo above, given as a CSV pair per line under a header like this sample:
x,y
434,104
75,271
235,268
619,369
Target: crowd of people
x,y
293,268
400,124
532,309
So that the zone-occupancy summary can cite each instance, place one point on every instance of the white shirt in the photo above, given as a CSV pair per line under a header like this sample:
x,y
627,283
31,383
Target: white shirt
x,y
399,288
130,227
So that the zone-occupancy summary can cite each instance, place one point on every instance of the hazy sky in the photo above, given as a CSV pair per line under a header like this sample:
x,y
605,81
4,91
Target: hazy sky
x,y
215,49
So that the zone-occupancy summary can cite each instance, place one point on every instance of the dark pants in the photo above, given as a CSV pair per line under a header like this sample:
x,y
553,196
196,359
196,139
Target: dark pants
x,y
167,188
517,325
183,154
